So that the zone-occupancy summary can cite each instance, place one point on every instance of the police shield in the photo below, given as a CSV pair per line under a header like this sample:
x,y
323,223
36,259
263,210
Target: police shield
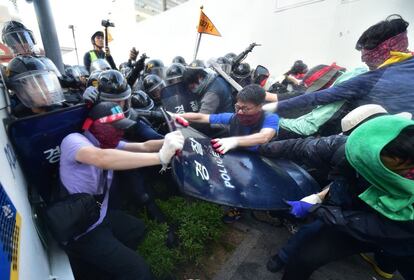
x,y
177,98
239,178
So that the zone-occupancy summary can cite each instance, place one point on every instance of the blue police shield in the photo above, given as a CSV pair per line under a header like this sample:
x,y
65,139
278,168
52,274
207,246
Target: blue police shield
x,y
239,178
177,98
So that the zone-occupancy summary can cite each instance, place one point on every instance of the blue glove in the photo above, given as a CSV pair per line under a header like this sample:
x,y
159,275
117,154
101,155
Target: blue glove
x,y
90,95
299,208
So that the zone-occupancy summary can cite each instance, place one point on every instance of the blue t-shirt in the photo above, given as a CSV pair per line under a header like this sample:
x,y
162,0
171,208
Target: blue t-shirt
x,y
270,121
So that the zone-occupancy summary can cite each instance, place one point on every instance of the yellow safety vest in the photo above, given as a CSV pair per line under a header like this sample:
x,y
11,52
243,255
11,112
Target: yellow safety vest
x,y
93,56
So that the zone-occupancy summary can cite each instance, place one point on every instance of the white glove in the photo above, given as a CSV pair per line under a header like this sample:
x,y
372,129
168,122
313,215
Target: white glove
x,y
90,94
312,199
173,142
270,107
223,145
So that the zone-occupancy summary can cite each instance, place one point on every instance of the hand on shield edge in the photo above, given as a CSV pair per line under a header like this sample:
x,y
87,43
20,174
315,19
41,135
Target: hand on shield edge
x,y
90,95
178,119
223,145
300,209
173,143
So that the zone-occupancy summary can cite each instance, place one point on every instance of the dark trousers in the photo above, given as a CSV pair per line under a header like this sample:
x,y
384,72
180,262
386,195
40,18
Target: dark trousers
x,y
328,244
131,185
109,250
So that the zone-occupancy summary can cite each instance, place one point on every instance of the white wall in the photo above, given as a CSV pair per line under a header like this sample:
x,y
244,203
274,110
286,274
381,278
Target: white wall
x,y
322,32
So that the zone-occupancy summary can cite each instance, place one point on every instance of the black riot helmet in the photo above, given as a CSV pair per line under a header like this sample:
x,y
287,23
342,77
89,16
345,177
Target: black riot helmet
x,y
19,39
260,75
153,85
242,71
141,101
113,86
179,59
77,73
230,56
156,67
225,64
33,82
174,73
197,63
99,64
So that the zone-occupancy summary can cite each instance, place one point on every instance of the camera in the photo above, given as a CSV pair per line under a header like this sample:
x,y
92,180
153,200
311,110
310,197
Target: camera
x,y
107,23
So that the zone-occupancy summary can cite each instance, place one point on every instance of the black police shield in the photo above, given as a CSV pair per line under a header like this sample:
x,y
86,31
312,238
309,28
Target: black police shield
x,y
177,98
239,178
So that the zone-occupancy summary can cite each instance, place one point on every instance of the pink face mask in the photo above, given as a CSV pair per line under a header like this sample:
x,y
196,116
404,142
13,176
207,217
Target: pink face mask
x,y
249,120
107,135
410,174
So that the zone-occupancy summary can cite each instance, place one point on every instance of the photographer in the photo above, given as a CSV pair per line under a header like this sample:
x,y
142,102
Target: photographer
x,y
98,51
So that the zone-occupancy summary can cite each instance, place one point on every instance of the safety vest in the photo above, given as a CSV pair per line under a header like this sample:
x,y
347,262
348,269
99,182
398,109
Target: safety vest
x,y
93,56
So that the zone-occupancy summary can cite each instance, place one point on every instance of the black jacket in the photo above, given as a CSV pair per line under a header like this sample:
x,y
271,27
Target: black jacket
x,y
319,156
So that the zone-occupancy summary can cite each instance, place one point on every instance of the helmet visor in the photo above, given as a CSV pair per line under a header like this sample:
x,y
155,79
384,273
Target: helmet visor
x,y
21,42
38,89
226,67
159,71
51,66
99,65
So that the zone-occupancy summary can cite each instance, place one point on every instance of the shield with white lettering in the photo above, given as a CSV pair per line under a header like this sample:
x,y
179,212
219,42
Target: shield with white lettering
x,y
239,178
178,99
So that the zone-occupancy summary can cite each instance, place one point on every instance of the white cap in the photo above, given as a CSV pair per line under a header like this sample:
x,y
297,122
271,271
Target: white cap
x,y
358,115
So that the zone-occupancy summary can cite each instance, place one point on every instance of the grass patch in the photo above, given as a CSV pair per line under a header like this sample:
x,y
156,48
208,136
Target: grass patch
x,y
198,225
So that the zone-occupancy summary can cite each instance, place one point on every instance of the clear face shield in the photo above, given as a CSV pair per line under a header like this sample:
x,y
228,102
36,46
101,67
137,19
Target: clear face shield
x,y
21,42
226,67
155,92
159,71
51,66
123,100
38,89
99,65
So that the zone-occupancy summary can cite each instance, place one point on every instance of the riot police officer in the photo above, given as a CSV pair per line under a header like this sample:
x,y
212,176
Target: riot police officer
x,y
213,92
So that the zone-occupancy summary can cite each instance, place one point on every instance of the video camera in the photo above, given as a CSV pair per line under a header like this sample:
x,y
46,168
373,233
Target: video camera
x,y
107,23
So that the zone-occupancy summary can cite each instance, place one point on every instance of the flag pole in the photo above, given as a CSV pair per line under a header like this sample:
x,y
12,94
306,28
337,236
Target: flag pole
x,y
198,40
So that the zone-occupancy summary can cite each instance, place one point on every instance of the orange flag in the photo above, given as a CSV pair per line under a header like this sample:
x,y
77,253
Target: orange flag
x,y
206,26
110,38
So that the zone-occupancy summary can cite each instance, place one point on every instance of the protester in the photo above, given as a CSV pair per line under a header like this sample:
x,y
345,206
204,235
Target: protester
x,y
248,127
327,155
110,243
374,211
383,48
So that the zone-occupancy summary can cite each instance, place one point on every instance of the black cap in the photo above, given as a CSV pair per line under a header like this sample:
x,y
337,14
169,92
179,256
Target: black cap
x,y
110,113
97,33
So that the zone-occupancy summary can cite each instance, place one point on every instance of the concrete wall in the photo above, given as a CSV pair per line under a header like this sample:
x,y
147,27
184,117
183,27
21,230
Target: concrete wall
x,y
321,32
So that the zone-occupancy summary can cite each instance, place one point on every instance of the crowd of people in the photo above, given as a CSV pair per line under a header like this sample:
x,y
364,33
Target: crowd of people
x,y
350,129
